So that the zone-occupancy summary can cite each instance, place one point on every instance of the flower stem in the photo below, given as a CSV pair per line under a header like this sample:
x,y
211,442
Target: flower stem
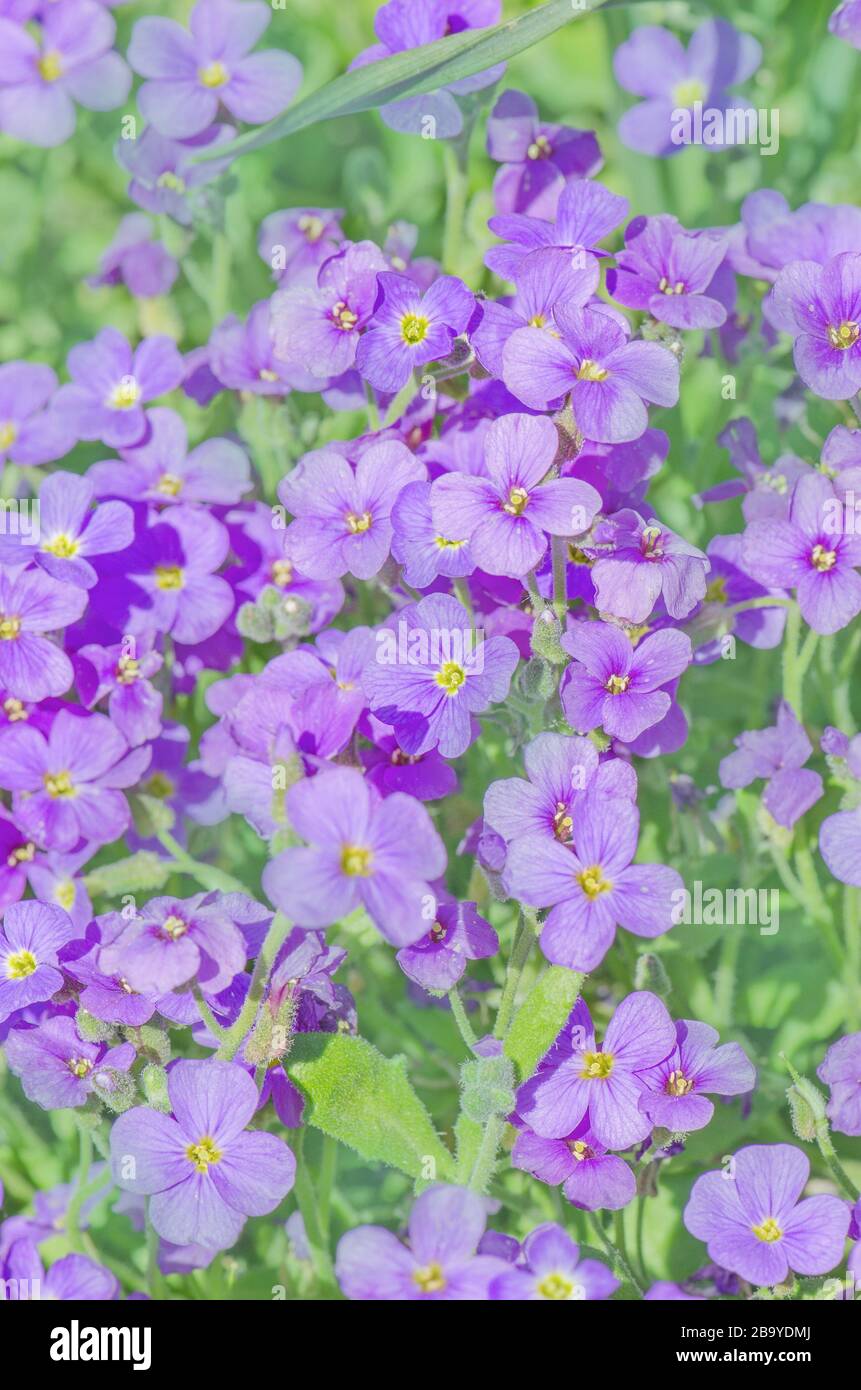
x,y
464,1026
485,1159
76,1202
306,1200
207,875
455,160
525,936
852,937
235,1035
206,1013
620,1263
560,567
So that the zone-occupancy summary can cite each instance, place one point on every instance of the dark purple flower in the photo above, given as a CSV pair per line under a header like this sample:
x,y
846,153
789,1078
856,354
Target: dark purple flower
x,y
841,1072
551,1268
190,74
778,754
409,328
173,587
31,432
58,1070
811,553
614,685
40,81
508,515
111,384
202,1173
431,674
438,960
31,935
593,886
537,158
426,776
666,271
609,379
31,666
361,850
440,1263
653,64
751,1219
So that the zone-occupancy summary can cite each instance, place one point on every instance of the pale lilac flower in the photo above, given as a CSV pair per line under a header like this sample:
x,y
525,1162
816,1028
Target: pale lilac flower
x,y
551,1268
409,328
31,666
31,936
164,470
69,531
31,432
615,685
112,384
136,260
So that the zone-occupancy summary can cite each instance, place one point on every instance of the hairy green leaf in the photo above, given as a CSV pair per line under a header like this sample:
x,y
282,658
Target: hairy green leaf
x,y
540,1016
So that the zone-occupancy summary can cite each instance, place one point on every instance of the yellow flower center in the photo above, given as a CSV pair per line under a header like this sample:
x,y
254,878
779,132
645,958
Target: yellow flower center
x,y
666,288
124,396
438,932
591,371
688,92
20,965
822,559
414,328
845,335
170,180
577,556
451,676
168,577
358,523
537,321
203,1154
430,1279
593,882
597,1066
169,485
61,545
556,1286
678,1084
540,148
517,500
267,374
579,1151
311,227
174,927
343,317
617,685
159,785
8,434
716,590
58,784
128,670
64,894
24,854
10,627
443,543
80,1067
769,1231
50,65
213,75
356,861
282,573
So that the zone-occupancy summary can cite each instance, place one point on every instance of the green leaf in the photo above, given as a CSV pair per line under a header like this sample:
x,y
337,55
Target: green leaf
x,y
540,1017
423,69
365,1100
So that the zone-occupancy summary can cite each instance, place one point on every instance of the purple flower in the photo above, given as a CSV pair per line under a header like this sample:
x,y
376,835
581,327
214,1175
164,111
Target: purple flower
x,y
841,1072
401,25
507,516
637,562
57,1069
751,1219
171,942
71,1278
446,1225
426,776
614,685
551,1268
16,855
809,552
431,676
840,845
30,430
675,1096
41,81
170,567
591,885
765,490
67,785
418,545
409,328
326,683
653,64
31,666
559,769
203,1175
592,1178
318,327
162,470
242,356
343,516
164,177
602,1082
438,960
295,242
537,158
587,212
31,936
729,584
361,850
135,260
845,22
609,378
666,271
111,384
778,754
189,75
820,305
543,279
69,531
120,673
